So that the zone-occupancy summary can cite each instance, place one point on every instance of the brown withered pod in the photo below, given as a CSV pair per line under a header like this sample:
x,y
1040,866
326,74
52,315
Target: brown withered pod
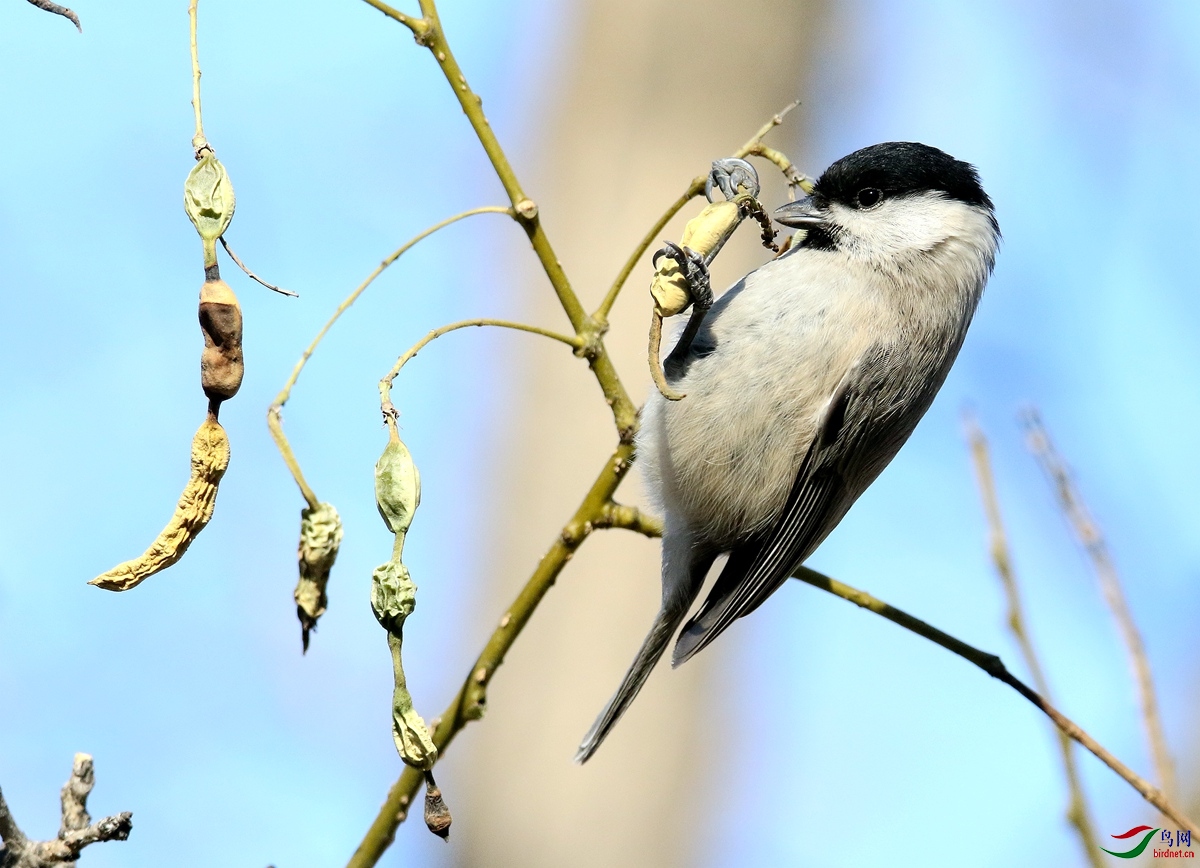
x,y
221,363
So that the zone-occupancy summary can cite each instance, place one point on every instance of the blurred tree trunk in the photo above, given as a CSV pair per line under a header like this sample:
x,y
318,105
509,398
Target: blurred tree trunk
x,y
650,93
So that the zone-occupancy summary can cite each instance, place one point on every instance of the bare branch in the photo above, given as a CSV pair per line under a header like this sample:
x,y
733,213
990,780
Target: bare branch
x,y
59,10
1089,535
994,666
1077,810
251,274
275,411
385,384
75,832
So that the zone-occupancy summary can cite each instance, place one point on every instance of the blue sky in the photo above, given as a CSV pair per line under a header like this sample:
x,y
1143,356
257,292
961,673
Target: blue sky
x,y
870,746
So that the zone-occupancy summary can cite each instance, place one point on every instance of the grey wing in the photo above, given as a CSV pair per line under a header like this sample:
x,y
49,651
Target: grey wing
x,y
842,459
757,569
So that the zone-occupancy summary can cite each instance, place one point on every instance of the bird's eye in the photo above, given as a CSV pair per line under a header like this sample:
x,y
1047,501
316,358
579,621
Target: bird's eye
x,y
869,196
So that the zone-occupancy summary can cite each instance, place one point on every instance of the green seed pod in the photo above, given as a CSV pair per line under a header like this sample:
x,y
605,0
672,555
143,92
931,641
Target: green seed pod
x,y
397,486
209,201
409,732
393,596
320,537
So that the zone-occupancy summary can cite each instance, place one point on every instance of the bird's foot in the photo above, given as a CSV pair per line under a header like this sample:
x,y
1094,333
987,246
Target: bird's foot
x,y
694,269
728,175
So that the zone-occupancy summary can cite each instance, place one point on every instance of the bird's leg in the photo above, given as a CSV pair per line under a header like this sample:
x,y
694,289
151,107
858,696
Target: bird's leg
x,y
695,273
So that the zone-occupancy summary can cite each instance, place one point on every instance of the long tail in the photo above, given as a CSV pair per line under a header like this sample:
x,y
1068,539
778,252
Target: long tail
x,y
664,628
676,602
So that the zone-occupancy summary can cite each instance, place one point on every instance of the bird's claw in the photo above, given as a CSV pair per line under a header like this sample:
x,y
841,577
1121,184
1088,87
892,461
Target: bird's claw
x,y
728,175
694,269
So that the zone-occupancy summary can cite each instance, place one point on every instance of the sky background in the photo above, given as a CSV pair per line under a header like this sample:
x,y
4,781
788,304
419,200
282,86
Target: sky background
x,y
866,745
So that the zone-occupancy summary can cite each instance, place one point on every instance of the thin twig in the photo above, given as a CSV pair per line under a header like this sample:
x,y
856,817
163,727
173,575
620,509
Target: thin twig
x,y
275,411
471,700
626,517
1077,811
385,384
59,10
753,147
654,353
994,666
199,143
251,274
1088,532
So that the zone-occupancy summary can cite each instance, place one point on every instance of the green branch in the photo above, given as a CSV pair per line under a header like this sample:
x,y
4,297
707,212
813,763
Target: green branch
x,y
385,384
275,411
427,31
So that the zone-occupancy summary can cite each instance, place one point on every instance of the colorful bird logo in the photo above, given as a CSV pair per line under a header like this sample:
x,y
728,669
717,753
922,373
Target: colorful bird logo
x,y
1136,851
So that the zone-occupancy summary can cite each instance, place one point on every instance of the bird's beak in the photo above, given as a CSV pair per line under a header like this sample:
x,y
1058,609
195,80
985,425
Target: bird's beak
x,y
801,214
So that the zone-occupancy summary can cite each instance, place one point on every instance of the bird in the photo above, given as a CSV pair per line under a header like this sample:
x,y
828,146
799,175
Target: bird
x,y
802,383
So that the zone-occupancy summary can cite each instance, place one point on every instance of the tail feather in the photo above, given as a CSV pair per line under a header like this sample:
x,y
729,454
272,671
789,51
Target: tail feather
x,y
655,644
680,587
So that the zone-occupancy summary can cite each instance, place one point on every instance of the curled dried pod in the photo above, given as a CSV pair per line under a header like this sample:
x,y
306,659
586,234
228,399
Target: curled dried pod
x,y
320,538
210,458
221,364
437,815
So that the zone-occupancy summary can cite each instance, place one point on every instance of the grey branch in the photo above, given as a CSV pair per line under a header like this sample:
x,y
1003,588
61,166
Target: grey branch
x,y
59,10
75,832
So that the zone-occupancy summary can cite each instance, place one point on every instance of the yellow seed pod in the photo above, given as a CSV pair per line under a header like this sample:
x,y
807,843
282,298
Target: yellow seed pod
x,y
706,233
669,288
711,228
210,457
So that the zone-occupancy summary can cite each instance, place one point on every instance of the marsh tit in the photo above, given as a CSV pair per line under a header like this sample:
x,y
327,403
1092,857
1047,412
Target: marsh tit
x,y
803,382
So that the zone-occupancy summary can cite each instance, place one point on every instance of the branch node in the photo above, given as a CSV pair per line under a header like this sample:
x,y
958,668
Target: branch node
x,y
527,210
591,336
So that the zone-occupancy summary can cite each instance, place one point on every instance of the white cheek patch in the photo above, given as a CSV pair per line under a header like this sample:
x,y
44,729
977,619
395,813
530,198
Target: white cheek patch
x,y
898,228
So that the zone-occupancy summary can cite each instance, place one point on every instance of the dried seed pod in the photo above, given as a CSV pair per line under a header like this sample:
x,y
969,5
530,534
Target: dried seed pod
x,y
210,457
221,363
209,202
437,815
397,486
320,537
706,234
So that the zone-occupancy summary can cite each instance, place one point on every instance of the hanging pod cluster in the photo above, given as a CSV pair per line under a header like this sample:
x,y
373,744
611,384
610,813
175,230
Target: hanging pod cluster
x,y
209,202
393,598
